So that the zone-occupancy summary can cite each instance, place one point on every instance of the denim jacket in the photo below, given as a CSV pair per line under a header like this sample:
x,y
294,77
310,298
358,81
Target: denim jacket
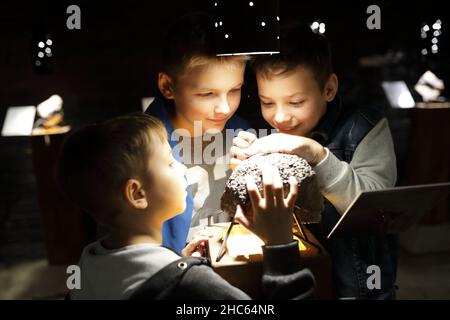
x,y
341,130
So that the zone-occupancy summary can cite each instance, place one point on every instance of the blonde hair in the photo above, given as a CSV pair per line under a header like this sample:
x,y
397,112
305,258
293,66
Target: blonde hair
x,y
201,61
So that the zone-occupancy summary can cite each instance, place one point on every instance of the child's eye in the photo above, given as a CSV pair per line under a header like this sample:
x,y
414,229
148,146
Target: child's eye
x,y
296,103
237,90
266,104
205,94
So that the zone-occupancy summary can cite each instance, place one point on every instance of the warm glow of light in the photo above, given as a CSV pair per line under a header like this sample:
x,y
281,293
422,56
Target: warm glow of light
x,y
405,100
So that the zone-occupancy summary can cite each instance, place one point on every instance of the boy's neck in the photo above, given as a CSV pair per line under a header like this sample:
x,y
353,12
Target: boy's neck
x,y
119,239
179,122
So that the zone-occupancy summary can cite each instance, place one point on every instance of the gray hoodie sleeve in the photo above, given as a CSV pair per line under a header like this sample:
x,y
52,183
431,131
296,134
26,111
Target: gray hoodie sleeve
x,y
283,278
373,167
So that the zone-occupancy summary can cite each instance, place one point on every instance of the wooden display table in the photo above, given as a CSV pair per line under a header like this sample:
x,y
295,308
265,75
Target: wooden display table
x,y
245,272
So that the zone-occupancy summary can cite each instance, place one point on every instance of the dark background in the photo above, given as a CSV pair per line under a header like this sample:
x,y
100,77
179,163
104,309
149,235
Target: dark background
x,y
113,60
104,70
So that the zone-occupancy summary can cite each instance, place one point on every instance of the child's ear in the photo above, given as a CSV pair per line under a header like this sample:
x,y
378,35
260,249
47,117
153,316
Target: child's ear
x,y
331,87
165,85
135,194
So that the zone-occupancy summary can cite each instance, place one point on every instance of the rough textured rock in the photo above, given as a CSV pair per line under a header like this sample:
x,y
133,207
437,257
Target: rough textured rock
x,y
309,201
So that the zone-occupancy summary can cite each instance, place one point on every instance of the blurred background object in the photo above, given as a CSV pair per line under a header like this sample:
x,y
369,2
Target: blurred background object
x,y
51,111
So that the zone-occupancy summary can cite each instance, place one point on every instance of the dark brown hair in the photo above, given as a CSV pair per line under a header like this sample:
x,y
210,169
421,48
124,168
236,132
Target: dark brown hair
x,y
299,47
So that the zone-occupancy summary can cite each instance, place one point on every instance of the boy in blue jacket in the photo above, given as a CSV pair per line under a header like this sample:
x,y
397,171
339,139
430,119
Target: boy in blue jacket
x,y
196,101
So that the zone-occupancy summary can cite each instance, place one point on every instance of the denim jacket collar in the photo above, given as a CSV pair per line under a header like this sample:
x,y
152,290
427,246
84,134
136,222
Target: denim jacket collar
x,y
325,126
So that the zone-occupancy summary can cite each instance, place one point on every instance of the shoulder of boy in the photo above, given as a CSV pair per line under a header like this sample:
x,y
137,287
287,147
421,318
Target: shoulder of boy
x,y
162,284
370,113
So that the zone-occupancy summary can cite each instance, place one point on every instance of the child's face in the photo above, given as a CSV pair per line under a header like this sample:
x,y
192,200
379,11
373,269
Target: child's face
x,y
293,102
210,94
167,190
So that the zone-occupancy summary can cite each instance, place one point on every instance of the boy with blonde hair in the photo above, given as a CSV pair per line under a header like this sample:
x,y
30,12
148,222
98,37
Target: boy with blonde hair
x,y
198,94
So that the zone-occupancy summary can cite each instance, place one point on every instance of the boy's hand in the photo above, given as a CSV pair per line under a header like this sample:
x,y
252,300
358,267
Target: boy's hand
x,y
196,247
306,148
271,216
240,144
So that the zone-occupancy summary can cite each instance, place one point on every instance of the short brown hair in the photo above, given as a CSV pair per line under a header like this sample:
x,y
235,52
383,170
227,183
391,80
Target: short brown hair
x,y
299,46
98,159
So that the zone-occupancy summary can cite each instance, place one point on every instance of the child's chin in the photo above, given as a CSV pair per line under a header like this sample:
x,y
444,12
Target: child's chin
x,y
214,129
181,209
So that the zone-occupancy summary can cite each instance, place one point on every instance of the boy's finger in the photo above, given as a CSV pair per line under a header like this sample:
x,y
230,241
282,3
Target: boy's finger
x,y
292,196
271,149
241,143
194,243
248,136
254,148
267,178
253,192
267,144
278,187
251,151
238,153
240,217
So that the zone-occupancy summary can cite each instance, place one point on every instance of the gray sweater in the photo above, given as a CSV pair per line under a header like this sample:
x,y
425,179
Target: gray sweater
x,y
145,272
283,278
373,167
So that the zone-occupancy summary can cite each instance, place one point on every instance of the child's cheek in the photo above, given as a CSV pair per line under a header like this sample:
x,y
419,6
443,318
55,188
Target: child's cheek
x,y
267,114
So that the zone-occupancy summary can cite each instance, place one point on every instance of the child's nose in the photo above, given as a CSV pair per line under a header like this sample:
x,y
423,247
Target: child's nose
x,y
223,107
280,117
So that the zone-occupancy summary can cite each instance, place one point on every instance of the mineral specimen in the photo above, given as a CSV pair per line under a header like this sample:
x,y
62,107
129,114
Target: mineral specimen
x,y
309,200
